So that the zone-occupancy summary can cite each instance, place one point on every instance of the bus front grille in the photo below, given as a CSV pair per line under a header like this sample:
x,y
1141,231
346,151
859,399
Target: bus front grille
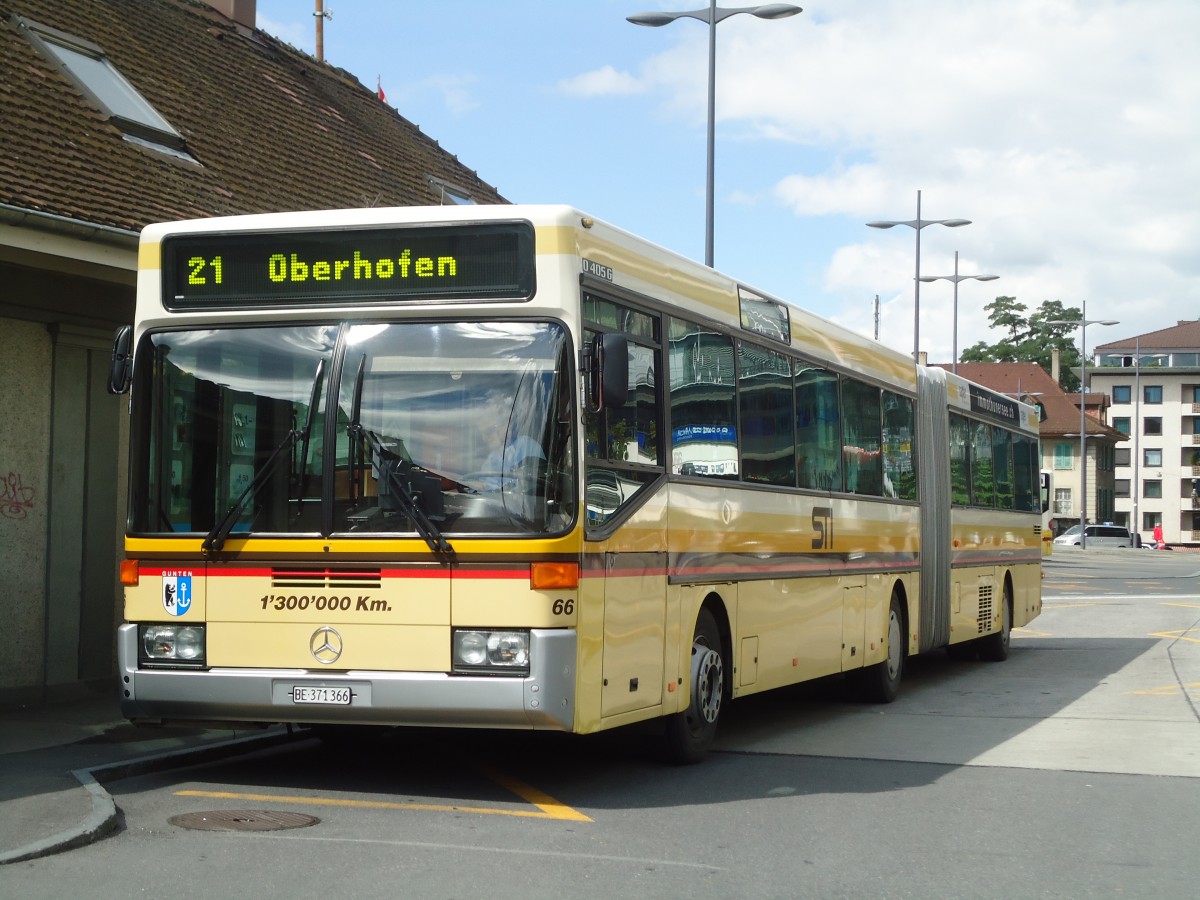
x,y
320,578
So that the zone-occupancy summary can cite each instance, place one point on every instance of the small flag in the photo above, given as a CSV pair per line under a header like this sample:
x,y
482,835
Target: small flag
x,y
379,90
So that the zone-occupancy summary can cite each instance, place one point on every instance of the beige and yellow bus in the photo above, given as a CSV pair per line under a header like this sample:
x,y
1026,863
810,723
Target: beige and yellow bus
x,y
513,467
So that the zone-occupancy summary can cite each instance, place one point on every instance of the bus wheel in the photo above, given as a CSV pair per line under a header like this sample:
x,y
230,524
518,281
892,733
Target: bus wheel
x,y
994,647
880,683
688,734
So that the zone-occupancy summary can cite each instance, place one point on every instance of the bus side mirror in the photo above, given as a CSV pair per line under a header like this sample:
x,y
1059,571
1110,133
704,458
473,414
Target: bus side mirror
x,y
120,370
610,370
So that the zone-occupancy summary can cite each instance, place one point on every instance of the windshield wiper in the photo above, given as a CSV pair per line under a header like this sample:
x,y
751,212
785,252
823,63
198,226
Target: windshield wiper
x,y
392,469
216,538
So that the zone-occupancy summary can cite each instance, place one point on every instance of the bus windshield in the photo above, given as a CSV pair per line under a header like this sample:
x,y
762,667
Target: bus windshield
x,y
356,428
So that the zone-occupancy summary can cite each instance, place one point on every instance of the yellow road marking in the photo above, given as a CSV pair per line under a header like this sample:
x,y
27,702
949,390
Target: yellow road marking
x,y
1029,632
1184,605
1169,690
1178,635
543,801
542,813
548,807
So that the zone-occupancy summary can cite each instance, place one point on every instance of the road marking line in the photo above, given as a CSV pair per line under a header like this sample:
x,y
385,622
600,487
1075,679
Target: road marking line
x,y
1184,605
1178,635
543,801
1169,690
476,848
385,804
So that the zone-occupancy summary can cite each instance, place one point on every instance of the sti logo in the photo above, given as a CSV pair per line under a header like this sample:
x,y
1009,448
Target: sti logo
x,y
177,592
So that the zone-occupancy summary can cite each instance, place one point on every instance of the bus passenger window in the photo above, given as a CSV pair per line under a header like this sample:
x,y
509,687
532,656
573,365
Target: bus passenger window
x,y
765,398
960,470
983,480
703,413
1003,465
818,430
899,433
862,439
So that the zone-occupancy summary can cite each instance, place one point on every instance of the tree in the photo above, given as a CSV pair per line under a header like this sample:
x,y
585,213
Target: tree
x,y
1031,338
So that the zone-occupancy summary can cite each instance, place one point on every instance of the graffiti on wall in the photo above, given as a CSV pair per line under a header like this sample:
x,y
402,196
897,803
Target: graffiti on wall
x,y
15,499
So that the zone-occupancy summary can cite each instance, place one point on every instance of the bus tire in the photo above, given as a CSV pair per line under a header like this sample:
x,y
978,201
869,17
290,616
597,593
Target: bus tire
x,y
880,683
994,647
687,735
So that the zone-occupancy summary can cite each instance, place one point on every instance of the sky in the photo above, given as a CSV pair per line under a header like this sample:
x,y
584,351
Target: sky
x,y
1067,131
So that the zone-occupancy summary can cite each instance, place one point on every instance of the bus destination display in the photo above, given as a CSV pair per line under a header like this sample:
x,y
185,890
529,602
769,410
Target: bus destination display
x,y
270,269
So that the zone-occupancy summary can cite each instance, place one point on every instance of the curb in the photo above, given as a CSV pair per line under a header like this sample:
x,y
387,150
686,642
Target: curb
x,y
105,818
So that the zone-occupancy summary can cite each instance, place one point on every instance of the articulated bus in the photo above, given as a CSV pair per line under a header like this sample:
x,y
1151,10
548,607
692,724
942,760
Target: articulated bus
x,y
512,467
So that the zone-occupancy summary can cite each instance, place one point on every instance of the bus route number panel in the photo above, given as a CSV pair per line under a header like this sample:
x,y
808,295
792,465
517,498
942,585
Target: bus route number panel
x,y
263,270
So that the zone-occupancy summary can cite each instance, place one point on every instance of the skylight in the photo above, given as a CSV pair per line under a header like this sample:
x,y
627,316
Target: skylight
x,y
94,74
450,194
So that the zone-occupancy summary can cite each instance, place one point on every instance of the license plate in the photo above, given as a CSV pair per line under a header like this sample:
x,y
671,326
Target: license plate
x,y
324,696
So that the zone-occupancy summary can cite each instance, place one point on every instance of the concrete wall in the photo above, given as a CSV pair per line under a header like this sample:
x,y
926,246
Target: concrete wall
x,y
25,374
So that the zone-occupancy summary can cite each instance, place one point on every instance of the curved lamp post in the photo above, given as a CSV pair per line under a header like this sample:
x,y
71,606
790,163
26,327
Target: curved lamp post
x,y
916,225
1083,323
956,278
714,15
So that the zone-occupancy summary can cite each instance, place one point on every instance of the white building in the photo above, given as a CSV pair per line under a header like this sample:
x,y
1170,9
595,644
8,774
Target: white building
x,y
1154,382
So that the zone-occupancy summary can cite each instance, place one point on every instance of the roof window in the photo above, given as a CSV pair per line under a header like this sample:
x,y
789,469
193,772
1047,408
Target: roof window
x,y
90,69
450,194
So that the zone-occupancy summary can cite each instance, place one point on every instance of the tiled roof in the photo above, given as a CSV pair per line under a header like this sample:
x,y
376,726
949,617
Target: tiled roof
x,y
270,127
1032,383
1184,336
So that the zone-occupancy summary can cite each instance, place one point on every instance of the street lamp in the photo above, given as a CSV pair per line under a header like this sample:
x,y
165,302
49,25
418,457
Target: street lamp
x,y
1083,323
713,16
916,225
956,278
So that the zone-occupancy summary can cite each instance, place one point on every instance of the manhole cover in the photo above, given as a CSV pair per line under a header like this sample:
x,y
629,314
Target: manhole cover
x,y
243,820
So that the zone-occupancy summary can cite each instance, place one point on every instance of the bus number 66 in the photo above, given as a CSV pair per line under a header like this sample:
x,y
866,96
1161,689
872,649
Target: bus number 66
x,y
562,607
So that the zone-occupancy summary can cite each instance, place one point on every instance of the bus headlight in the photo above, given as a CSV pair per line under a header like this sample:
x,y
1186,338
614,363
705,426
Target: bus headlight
x,y
172,644
500,652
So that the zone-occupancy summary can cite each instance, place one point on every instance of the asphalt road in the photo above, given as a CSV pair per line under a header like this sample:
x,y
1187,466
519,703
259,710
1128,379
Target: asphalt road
x,y
1071,770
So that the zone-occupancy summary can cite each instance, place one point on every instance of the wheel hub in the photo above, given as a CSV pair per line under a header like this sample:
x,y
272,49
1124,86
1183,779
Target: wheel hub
x,y
708,683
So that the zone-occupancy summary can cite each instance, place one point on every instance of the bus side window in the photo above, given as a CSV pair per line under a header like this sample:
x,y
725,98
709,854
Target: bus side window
x,y
960,469
899,433
703,402
818,429
862,437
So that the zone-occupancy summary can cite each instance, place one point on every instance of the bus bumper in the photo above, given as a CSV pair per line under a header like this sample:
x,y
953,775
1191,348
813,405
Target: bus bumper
x,y
543,700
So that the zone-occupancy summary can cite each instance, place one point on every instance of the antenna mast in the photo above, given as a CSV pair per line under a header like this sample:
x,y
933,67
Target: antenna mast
x,y
321,15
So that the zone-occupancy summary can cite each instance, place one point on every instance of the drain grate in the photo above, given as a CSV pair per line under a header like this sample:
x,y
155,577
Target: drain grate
x,y
243,820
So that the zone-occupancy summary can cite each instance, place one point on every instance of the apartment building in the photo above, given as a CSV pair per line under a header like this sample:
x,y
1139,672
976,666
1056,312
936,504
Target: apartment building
x,y
1153,381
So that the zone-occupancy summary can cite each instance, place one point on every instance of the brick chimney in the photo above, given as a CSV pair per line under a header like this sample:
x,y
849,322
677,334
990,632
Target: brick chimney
x,y
1054,364
242,12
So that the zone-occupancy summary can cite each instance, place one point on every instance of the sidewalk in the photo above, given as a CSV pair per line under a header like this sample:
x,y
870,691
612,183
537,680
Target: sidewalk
x,y
55,759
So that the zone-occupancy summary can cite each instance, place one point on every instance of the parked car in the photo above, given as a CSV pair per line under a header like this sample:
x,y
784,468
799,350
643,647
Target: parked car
x,y
1097,536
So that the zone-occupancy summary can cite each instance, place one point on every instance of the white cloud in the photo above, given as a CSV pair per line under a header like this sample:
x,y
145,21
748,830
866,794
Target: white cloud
x,y
1065,129
602,82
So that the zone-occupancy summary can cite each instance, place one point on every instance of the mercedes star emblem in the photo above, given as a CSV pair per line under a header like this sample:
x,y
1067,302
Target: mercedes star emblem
x,y
325,645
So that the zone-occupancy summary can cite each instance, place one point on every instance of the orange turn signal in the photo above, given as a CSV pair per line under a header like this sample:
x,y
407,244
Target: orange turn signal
x,y
129,572
548,576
